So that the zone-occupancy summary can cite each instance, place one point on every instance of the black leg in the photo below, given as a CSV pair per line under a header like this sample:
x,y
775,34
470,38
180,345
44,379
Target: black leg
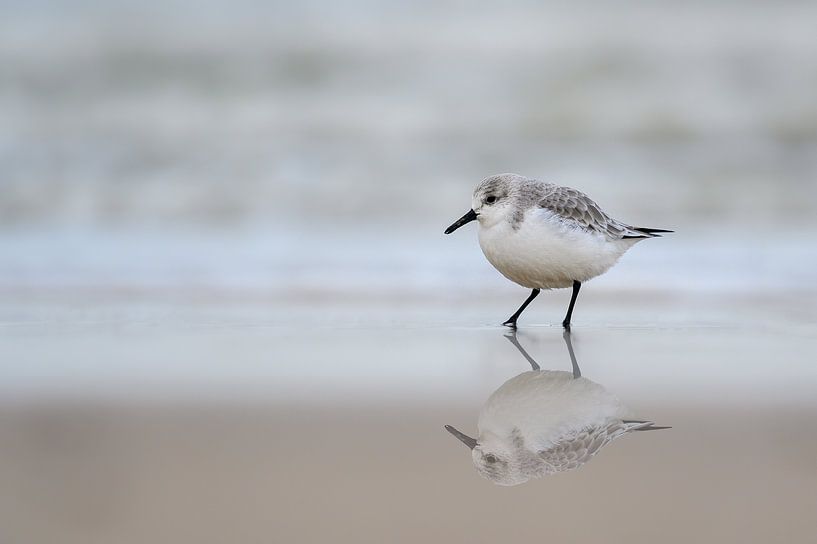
x,y
577,373
512,337
576,286
511,322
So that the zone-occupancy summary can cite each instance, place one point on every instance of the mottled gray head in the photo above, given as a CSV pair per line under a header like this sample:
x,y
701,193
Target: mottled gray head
x,y
498,465
501,197
496,198
494,459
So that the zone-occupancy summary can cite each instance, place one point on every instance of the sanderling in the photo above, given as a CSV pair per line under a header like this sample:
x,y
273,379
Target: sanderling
x,y
543,236
545,421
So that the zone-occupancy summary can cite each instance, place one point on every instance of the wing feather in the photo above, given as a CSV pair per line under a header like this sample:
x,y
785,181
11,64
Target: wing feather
x,y
578,210
573,451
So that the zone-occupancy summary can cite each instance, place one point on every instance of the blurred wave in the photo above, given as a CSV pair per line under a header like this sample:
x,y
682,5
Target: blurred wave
x,y
366,112
376,265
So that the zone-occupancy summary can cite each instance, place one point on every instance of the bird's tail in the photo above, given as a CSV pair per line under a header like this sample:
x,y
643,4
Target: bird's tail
x,y
636,425
644,232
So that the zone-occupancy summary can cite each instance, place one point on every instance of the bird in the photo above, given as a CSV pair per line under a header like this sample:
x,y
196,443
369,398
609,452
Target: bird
x,y
546,236
542,422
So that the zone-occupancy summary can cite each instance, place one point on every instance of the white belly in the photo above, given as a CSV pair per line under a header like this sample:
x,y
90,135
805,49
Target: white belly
x,y
546,254
545,404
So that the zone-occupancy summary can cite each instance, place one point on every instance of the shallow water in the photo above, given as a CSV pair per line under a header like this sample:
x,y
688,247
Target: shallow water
x,y
219,421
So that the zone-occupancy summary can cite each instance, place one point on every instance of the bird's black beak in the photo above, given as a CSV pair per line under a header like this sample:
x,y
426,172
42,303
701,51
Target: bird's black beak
x,y
464,438
467,218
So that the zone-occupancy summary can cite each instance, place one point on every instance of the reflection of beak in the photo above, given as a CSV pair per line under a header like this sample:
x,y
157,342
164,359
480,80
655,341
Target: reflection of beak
x,y
464,438
467,218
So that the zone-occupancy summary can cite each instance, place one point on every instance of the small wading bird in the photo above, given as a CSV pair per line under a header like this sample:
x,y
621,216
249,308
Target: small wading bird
x,y
545,421
543,236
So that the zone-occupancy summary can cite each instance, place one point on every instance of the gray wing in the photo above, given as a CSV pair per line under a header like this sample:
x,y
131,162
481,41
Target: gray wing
x,y
571,452
579,210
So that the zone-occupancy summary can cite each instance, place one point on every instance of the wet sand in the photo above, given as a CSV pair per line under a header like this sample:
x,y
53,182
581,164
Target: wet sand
x,y
167,422
274,474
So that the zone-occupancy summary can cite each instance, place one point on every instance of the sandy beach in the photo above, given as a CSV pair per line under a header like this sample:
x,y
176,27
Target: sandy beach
x,y
216,422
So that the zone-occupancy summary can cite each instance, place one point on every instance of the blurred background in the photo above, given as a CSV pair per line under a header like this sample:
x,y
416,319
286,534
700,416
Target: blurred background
x,y
288,146
216,219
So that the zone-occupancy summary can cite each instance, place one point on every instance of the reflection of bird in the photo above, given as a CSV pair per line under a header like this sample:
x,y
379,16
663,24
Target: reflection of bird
x,y
543,236
545,421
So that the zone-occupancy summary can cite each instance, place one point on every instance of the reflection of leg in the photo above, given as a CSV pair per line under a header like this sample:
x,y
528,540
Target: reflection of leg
x,y
576,286
511,322
512,338
576,372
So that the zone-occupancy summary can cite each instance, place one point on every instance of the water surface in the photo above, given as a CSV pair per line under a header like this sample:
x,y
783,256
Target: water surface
x,y
218,421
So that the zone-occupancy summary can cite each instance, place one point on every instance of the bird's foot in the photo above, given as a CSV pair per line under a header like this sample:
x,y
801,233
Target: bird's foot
x,y
510,323
566,325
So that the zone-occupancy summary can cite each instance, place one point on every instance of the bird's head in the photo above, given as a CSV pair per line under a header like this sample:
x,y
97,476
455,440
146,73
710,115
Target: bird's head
x,y
492,201
493,459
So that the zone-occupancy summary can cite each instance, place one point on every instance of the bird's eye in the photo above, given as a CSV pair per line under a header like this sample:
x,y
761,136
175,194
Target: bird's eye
x,y
490,458
491,199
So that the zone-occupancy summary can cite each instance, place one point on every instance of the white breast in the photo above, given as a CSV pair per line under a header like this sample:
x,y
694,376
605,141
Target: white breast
x,y
547,404
546,253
